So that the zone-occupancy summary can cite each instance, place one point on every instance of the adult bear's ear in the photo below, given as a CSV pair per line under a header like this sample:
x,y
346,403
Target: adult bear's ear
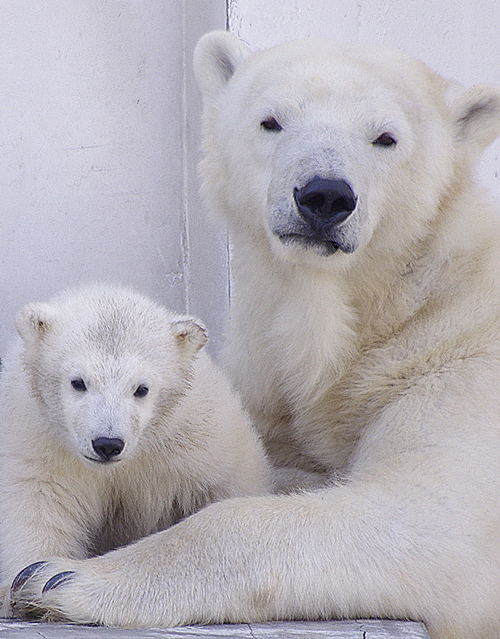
x,y
34,321
477,115
190,335
216,58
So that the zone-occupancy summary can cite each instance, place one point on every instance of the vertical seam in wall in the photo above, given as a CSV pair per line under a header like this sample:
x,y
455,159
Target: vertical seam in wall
x,y
466,25
228,247
185,244
359,17
228,267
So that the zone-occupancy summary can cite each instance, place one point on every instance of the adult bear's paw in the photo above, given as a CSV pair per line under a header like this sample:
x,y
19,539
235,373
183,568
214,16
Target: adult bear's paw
x,y
57,590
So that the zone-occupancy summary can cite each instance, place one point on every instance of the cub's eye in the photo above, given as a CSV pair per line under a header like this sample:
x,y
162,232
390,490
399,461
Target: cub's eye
x,y
141,391
78,384
271,124
386,139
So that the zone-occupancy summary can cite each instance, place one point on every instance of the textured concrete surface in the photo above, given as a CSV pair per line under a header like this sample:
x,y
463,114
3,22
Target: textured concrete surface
x,y
361,629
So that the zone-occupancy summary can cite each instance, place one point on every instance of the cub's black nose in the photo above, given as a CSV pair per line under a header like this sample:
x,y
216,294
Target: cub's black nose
x,y
326,201
107,448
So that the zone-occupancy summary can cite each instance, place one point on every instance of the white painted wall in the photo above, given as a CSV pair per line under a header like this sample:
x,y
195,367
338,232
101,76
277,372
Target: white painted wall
x,y
99,131
99,135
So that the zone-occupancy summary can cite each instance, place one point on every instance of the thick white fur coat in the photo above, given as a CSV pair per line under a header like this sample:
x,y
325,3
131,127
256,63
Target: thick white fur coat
x,y
187,440
367,351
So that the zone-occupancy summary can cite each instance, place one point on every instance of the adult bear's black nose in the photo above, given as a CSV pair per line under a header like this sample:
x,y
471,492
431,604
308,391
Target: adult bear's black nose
x,y
326,201
107,448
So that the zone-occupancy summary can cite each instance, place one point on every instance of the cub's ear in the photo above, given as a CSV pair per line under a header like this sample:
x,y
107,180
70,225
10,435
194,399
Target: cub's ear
x,y
216,57
190,335
477,115
34,321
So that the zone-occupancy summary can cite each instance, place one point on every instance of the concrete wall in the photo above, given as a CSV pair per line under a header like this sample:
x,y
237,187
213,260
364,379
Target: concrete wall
x,y
99,136
99,131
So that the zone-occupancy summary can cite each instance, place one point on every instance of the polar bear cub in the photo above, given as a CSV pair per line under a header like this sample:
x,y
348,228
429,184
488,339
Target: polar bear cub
x,y
114,425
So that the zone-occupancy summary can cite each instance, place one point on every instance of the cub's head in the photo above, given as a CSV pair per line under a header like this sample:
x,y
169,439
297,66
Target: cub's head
x,y
321,149
108,366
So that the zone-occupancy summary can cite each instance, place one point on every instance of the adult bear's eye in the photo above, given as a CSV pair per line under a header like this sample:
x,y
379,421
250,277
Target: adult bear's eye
x,y
386,139
271,124
141,391
78,384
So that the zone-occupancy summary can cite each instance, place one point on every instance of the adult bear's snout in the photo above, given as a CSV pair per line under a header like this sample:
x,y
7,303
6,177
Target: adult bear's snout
x,y
108,448
325,203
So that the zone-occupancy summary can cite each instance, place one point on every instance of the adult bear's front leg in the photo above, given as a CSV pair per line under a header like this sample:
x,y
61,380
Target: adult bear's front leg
x,y
347,551
233,561
239,560
215,566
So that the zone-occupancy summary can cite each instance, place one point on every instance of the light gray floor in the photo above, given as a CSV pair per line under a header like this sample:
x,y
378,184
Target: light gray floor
x,y
296,630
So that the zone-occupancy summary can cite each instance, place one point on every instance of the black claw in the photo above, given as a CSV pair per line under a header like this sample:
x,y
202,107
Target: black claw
x,y
25,575
57,580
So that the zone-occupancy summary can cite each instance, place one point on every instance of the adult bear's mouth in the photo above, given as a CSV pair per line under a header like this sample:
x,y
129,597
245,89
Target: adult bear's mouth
x,y
104,462
322,246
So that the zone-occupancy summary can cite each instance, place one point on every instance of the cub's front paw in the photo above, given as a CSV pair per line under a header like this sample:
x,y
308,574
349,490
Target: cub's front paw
x,y
42,591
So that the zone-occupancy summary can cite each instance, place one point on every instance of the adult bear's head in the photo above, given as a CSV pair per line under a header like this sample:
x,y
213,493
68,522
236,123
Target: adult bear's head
x,y
320,150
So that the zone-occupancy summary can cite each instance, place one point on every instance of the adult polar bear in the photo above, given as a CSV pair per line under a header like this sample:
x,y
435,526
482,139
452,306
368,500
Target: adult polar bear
x,y
365,339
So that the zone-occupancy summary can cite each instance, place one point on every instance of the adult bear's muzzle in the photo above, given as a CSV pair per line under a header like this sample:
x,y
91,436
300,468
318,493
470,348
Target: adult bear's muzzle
x,y
323,204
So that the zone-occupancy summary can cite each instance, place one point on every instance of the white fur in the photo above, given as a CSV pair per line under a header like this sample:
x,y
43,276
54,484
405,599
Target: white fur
x,y
379,367
187,441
